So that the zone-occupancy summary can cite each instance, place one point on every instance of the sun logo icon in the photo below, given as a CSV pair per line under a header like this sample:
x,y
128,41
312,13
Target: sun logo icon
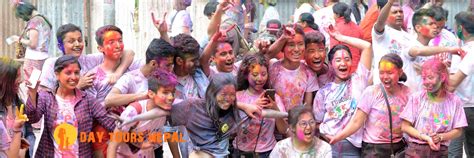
x,y
65,135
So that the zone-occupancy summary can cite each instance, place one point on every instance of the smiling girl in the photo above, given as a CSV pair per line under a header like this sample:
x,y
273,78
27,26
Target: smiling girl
x,y
432,116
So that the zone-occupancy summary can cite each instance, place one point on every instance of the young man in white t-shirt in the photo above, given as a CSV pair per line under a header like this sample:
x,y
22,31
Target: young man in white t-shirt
x,y
463,82
161,89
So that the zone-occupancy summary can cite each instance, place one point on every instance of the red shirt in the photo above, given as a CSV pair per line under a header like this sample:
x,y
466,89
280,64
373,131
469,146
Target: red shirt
x,y
368,23
349,29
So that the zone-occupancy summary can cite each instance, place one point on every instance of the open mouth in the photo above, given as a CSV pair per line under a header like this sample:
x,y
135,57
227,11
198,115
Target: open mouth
x,y
343,69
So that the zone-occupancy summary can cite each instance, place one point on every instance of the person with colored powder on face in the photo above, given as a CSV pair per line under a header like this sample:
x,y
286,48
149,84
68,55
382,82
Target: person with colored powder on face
x,y
109,40
433,116
292,80
221,53
161,89
67,106
373,116
444,38
315,57
343,23
335,104
419,51
192,82
462,83
70,42
11,123
257,136
303,142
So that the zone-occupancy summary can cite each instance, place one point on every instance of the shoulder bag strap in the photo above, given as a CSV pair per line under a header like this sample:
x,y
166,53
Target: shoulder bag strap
x,y
389,116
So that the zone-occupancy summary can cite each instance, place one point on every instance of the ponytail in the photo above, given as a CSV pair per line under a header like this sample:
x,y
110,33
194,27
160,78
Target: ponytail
x,y
343,10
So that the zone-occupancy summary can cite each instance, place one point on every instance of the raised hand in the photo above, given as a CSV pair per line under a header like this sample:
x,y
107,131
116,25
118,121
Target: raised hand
x,y
222,34
20,114
332,31
225,5
86,81
160,24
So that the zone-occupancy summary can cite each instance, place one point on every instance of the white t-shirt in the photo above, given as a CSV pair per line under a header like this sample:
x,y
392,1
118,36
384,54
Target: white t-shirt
x,y
146,127
465,90
410,66
286,149
214,70
65,115
181,19
390,41
132,82
5,139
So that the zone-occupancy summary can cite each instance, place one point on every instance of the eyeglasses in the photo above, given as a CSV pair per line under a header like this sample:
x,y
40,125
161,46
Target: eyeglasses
x,y
305,124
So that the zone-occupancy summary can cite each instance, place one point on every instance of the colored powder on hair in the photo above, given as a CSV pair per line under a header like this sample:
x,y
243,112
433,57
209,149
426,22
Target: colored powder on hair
x,y
386,65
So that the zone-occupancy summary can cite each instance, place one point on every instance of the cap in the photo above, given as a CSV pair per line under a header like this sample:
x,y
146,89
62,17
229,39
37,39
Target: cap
x,y
273,25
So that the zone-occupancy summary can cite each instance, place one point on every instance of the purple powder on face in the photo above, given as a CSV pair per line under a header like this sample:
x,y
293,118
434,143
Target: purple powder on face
x,y
300,134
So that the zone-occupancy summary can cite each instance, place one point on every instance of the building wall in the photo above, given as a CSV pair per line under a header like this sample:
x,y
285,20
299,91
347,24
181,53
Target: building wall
x,y
92,14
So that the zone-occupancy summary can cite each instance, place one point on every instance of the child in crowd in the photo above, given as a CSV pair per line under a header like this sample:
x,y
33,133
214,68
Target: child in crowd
x,y
252,84
161,89
303,141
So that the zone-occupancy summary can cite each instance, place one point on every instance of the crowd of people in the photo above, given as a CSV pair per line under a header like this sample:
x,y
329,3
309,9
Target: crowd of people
x,y
343,80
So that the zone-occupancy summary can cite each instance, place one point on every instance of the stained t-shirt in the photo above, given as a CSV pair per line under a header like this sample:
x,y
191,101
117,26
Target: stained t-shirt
x,y
44,35
433,117
377,125
65,115
335,104
286,149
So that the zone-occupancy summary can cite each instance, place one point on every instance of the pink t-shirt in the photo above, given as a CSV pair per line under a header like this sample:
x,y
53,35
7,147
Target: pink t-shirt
x,y
5,139
335,104
377,125
266,140
291,85
430,117
65,115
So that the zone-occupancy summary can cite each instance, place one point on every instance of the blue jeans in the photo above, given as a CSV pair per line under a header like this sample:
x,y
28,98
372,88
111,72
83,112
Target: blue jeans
x,y
30,136
467,138
345,149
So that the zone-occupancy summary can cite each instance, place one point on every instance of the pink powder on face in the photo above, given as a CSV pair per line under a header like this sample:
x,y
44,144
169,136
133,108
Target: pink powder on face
x,y
300,134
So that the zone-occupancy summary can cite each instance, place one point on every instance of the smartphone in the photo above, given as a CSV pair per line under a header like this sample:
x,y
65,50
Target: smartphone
x,y
34,77
270,93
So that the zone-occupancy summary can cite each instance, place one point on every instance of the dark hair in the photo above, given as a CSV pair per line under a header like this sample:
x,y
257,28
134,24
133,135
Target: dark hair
x,y
65,61
99,34
248,62
62,31
8,75
158,50
397,61
466,20
336,48
185,45
24,10
210,8
217,82
419,14
295,113
161,78
314,37
439,13
343,10
309,19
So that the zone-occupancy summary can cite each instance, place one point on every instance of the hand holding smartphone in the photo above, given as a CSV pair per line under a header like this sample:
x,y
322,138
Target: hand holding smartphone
x,y
270,93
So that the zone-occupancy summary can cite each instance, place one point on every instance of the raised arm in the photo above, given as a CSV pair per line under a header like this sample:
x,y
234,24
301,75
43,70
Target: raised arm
x,y
276,47
366,47
211,48
379,25
354,125
126,61
116,98
216,19
161,26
